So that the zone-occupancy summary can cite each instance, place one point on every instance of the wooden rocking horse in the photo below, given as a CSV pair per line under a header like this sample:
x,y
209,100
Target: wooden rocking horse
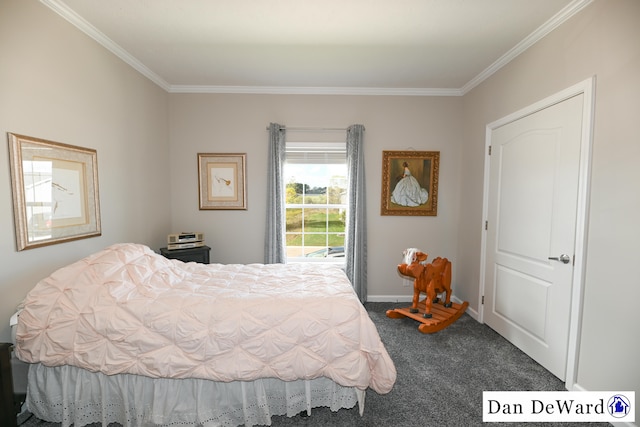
x,y
431,279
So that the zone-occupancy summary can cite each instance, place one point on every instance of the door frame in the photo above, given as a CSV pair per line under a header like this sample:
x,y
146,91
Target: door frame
x,y
587,89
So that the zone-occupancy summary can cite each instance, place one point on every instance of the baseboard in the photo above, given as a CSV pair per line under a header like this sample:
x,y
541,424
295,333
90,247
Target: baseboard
x,y
389,298
578,387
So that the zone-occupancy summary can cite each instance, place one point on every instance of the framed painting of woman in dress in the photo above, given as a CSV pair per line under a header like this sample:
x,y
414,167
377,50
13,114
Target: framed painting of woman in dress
x,y
410,182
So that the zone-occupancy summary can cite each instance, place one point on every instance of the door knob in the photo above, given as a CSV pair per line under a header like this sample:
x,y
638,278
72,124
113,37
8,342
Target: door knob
x,y
564,258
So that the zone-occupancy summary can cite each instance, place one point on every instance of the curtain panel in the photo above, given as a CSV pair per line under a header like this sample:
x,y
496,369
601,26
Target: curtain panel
x,y
356,232
275,247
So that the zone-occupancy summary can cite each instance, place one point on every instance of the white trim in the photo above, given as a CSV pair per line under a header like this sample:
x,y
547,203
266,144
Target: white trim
x,y
389,298
485,217
291,90
586,88
311,260
63,10
409,298
558,19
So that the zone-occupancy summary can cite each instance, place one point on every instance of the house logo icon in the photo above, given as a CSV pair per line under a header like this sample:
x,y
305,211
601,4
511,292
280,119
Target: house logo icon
x,y
618,406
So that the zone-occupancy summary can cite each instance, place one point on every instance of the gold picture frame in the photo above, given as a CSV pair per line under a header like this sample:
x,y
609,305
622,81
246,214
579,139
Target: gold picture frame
x,y
410,182
55,191
222,181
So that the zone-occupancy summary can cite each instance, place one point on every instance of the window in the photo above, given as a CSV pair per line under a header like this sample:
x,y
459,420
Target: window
x,y
315,177
40,196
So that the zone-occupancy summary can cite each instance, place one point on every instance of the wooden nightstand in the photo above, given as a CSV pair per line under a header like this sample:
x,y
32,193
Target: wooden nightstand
x,y
200,254
7,406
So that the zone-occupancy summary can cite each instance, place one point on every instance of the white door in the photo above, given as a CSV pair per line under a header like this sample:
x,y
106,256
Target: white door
x,y
532,206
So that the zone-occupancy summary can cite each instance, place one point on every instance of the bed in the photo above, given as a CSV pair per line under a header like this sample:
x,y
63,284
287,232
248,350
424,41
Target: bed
x,y
126,335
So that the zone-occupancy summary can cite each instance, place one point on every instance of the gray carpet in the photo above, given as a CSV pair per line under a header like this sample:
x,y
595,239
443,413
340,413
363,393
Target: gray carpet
x,y
440,380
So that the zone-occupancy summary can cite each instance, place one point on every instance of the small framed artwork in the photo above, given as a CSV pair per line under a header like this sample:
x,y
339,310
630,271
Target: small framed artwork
x,y
410,182
55,191
221,181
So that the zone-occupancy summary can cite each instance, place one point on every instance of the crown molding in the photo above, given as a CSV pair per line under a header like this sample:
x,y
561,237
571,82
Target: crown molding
x,y
290,90
64,11
554,22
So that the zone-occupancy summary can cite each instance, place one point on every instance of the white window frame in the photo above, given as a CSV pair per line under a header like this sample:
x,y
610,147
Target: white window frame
x,y
315,153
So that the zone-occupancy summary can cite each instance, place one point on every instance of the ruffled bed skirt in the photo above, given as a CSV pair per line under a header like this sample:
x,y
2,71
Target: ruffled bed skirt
x,y
71,395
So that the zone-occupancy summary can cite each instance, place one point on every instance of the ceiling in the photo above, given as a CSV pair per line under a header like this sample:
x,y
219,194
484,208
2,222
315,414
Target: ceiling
x,y
399,47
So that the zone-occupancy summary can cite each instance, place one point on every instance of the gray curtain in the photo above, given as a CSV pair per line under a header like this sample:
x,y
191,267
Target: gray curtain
x,y
274,246
356,234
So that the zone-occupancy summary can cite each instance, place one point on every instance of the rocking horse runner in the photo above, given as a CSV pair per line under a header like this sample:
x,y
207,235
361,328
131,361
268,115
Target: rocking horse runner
x,y
432,279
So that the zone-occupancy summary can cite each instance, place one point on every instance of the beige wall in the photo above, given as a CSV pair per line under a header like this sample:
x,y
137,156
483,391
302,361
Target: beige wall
x,y
58,84
237,123
603,41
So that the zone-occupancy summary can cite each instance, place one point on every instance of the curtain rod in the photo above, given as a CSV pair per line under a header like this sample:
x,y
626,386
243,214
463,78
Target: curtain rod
x,y
311,129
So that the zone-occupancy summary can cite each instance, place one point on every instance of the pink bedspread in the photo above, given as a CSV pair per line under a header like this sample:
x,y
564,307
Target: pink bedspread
x,y
128,310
